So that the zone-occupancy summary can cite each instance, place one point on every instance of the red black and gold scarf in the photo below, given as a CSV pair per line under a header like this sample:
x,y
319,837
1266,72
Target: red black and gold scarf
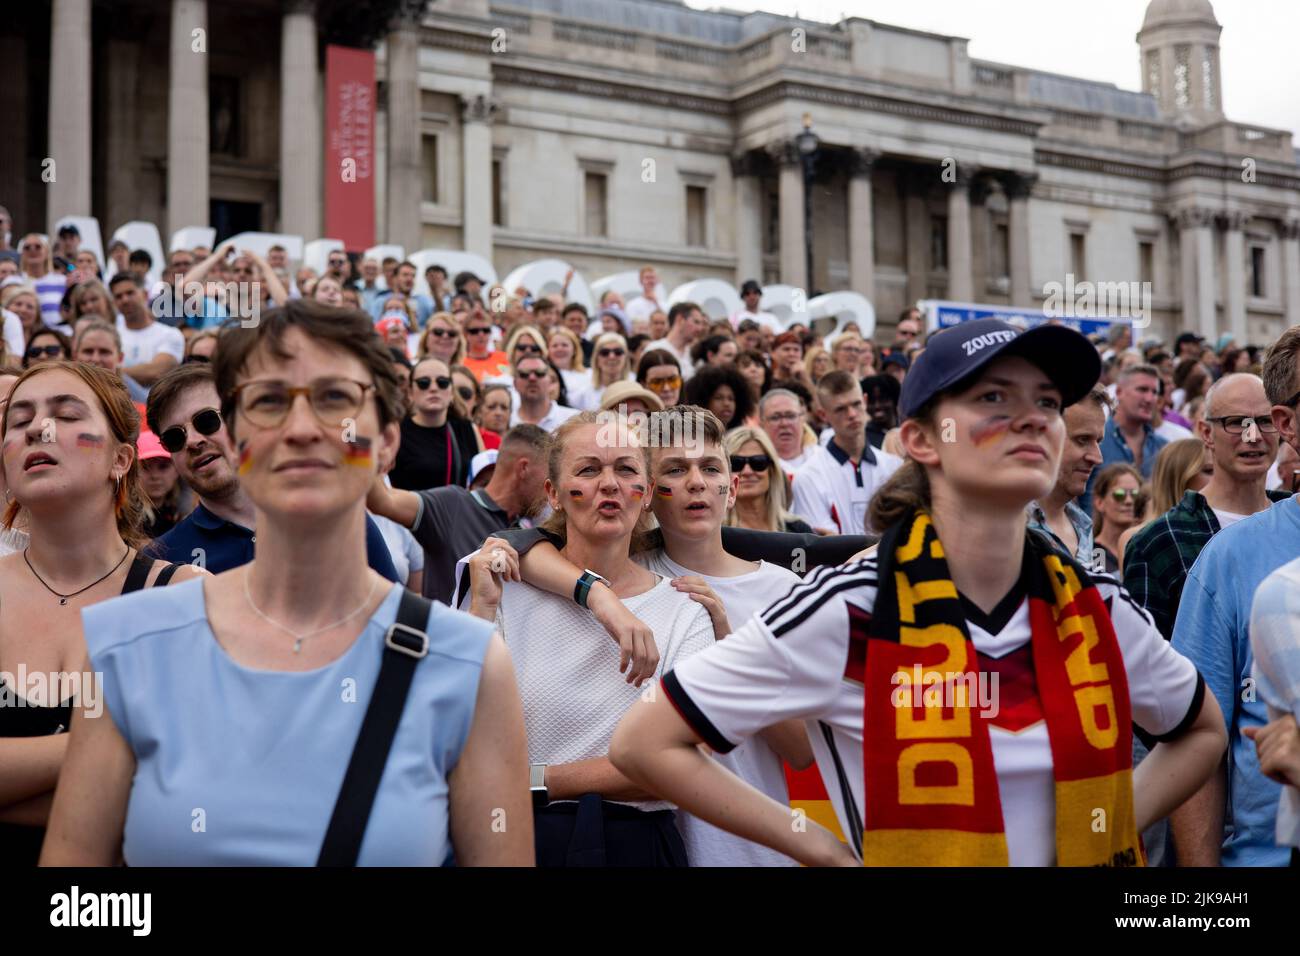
x,y
931,787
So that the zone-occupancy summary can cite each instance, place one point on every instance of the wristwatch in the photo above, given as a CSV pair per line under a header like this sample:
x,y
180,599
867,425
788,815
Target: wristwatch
x,y
537,785
583,587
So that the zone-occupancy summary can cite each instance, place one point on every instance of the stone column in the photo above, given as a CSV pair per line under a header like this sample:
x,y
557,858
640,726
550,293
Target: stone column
x,y
960,287
1290,232
790,185
1234,274
69,117
916,183
122,201
476,172
403,125
862,251
745,171
187,118
1197,256
301,122
982,235
1018,187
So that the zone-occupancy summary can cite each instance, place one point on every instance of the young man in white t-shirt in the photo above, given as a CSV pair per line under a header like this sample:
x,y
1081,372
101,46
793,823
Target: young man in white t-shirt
x,y
149,348
686,323
833,488
694,488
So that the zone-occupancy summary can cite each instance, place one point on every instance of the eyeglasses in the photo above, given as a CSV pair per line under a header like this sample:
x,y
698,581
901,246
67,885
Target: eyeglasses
x,y
206,422
663,384
1119,494
535,373
1236,424
484,331
442,333
465,392
760,463
529,349
780,417
267,403
337,262
33,247
36,351
424,381
616,353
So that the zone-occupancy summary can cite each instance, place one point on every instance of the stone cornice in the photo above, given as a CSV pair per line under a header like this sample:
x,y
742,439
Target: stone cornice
x,y
1095,164
604,89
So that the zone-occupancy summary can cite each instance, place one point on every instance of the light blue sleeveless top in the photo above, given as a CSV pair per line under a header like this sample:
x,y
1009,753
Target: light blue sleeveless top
x,y
241,767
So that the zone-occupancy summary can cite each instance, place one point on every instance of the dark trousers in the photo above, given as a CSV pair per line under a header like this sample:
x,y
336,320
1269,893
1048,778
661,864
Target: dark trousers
x,y
595,832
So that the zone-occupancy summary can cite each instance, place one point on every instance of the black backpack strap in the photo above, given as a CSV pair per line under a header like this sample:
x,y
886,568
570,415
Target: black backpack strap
x,y
138,573
404,645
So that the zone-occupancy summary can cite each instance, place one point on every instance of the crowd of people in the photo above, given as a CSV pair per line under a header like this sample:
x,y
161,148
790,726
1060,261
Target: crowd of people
x,y
631,586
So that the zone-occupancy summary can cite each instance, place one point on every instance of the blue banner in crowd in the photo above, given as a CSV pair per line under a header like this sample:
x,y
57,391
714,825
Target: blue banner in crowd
x,y
942,315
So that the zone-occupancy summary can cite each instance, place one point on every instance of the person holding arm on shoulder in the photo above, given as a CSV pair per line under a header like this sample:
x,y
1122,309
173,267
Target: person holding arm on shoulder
x,y
908,641
295,652
73,482
586,812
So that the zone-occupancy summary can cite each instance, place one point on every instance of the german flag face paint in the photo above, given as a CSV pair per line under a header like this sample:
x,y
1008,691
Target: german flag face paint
x,y
245,458
638,492
989,430
663,492
576,494
359,453
87,440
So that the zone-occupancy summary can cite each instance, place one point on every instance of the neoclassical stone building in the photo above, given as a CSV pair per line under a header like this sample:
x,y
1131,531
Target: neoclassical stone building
x,y
615,132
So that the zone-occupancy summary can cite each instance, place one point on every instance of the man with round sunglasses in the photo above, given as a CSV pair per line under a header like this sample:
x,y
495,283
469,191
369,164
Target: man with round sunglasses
x,y
437,442
219,534
536,407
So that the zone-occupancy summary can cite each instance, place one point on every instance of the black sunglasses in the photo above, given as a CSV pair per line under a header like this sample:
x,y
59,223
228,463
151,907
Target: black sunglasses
x,y
206,422
482,331
760,463
529,349
534,373
442,333
465,392
36,351
424,381
606,353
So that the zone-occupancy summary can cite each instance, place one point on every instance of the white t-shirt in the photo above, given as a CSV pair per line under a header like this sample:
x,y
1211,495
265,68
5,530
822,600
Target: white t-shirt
x,y
830,491
791,465
793,660
753,761
765,319
1275,640
683,357
567,666
140,346
13,334
554,417
1172,431
406,552
1227,518
643,308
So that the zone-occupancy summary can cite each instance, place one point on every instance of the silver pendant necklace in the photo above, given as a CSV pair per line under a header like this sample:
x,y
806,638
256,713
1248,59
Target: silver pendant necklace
x,y
299,638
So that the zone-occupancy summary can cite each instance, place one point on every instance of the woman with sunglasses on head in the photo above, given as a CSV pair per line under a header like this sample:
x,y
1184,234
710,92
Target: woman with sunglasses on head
x,y
609,364
438,439
763,493
201,683
73,482
37,264
47,345
659,372
901,642
442,339
1114,504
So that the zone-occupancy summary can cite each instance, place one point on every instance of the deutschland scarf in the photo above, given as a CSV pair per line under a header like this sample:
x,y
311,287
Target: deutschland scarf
x,y
931,787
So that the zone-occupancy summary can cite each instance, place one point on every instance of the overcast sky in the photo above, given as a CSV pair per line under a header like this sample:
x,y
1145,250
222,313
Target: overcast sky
x,y
1094,39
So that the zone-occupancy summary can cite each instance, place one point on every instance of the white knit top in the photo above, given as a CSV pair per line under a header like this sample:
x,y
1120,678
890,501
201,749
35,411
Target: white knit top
x,y
567,666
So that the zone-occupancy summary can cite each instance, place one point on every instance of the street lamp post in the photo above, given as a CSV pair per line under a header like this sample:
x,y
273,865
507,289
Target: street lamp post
x,y
807,143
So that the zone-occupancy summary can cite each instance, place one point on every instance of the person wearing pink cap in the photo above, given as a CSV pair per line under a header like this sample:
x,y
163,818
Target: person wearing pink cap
x,y
162,484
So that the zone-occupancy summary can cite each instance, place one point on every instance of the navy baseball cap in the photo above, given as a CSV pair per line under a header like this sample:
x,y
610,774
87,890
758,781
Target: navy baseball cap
x,y
957,353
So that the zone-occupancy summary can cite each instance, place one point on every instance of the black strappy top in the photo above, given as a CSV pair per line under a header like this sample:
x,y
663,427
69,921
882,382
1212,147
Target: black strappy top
x,y
21,845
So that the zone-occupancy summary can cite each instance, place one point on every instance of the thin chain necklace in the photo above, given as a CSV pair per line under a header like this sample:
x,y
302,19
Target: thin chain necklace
x,y
63,598
299,638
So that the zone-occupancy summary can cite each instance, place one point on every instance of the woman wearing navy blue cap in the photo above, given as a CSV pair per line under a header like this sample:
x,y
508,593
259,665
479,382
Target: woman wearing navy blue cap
x,y
969,693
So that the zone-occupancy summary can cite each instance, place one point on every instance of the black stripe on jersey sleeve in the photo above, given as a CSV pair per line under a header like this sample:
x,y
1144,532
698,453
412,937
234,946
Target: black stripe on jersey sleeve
x,y
809,601
693,716
1193,711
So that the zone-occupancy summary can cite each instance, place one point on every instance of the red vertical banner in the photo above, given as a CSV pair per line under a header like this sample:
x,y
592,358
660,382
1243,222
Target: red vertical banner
x,y
350,146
